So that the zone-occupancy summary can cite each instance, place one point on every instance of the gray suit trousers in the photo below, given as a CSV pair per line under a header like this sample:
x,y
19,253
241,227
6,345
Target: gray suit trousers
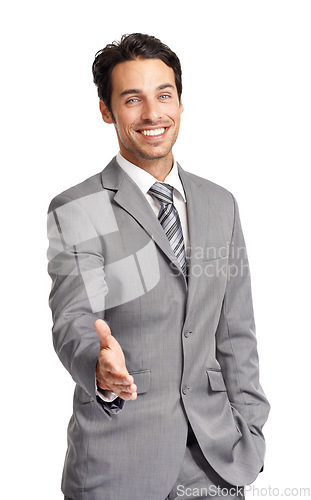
x,y
198,480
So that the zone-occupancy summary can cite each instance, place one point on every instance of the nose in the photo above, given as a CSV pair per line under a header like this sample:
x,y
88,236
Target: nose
x,y
151,110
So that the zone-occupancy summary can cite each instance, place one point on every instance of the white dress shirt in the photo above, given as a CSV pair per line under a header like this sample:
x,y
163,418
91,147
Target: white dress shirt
x,y
144,181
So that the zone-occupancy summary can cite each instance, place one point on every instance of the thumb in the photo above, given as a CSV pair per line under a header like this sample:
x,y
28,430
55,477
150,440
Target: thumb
x,y
103,331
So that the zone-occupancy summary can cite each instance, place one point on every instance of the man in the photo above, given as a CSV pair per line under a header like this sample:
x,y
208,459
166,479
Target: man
x,y
152,306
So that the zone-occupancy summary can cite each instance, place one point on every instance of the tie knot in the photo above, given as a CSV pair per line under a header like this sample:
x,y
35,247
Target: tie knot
x,y
162,192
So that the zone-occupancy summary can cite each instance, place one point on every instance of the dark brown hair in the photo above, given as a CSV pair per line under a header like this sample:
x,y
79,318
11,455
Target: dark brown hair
x,y
134,46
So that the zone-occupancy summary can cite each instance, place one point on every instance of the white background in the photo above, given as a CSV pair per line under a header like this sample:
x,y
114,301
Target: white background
x,y
246,126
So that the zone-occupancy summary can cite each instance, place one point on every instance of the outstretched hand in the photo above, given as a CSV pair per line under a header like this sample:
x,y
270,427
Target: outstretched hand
x,y
111,371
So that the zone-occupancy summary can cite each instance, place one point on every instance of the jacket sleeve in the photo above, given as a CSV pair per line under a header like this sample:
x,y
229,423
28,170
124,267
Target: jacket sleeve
x,y
236,346
77,298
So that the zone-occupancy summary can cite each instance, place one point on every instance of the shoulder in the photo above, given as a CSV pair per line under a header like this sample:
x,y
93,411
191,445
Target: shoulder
x,y
89,186
210,191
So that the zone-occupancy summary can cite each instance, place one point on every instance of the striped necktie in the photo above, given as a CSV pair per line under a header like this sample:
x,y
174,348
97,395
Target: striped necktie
x,y
170,221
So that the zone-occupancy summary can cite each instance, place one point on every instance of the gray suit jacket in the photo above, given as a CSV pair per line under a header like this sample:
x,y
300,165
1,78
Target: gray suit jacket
x,y
190,344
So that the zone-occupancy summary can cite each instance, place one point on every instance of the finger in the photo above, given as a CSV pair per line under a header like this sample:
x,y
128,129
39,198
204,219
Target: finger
x,y
103,331
129,389
109,378
128,379
119,378
115,385
128,397
124,392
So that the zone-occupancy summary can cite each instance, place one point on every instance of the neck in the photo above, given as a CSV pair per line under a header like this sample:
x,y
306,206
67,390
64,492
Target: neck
x,y
158,168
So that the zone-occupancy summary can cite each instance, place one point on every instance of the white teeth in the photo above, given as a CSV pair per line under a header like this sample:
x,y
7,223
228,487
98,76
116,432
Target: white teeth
x,y
157,131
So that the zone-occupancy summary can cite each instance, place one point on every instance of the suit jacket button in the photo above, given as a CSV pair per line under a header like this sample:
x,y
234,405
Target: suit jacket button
x,y
187,334
185,389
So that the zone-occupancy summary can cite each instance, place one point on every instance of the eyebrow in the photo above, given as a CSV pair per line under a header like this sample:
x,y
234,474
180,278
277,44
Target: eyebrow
x,y
138,91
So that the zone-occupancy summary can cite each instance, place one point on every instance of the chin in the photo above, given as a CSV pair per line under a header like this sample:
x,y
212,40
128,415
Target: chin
x,y
154,156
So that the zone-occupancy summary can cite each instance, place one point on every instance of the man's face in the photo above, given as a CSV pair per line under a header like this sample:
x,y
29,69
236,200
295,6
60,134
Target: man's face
x,y
145,109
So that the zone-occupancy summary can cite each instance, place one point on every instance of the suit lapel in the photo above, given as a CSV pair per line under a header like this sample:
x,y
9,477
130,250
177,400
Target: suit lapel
x,y
130,198
197,212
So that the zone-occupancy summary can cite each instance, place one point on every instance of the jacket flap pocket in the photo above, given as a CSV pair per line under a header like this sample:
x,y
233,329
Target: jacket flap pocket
x,y
216,380
142,380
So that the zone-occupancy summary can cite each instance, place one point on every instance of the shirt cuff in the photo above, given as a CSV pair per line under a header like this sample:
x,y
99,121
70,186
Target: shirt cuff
x,y
107,396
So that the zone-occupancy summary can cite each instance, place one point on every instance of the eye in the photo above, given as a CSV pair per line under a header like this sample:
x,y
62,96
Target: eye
x,y
132,100
163,97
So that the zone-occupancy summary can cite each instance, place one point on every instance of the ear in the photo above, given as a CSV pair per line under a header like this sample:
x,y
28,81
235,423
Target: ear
x,y
181,106
106,114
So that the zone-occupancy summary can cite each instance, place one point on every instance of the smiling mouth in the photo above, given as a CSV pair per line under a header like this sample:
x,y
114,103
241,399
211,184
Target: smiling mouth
x,y
153,132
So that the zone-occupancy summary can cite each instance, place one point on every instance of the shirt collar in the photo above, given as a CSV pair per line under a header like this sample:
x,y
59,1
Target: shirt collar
x,y
144,180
